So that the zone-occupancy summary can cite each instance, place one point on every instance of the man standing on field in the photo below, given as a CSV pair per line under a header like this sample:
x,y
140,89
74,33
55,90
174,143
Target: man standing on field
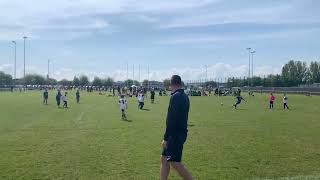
x,y
176,131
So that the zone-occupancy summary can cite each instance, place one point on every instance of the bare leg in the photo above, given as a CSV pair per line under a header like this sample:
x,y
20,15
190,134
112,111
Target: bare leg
x,y
183,172
165,169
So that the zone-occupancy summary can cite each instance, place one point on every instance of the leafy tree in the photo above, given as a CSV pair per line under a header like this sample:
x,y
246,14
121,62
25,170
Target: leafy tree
x,y
97,82
145,83
5,79
84,80
76,81
166,83
34,79
128,82
256,81
108,82
65,82
51,81
315,72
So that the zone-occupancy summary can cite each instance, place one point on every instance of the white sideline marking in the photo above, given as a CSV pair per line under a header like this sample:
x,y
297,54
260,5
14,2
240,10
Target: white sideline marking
x,y
308,177
80,116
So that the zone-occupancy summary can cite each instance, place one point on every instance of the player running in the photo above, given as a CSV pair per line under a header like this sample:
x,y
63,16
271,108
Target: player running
x,y
238,101
141,100
123,106
285,102
65,100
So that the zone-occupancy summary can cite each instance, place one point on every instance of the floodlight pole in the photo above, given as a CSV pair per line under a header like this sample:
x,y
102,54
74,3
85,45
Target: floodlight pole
x,y
24,56
139,74
252,67
148,76
127,73
249,51
206,66
133,73
15,60
48,76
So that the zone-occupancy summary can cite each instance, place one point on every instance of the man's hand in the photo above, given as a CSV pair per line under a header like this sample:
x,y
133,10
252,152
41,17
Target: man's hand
x,y
164,144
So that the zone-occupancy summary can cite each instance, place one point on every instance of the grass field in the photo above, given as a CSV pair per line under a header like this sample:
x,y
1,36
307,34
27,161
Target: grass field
x,y
89,141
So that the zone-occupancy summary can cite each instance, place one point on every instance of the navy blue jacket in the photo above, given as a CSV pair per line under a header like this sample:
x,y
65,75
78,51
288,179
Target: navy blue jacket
x,y
177,116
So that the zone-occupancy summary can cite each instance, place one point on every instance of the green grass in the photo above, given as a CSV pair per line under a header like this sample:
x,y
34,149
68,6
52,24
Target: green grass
x,y
89,141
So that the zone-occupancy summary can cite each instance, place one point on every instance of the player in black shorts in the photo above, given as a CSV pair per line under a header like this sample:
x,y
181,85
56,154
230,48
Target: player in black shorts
x,y
152,96
176,131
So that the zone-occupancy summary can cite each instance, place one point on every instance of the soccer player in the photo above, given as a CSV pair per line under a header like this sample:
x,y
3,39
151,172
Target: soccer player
x,y
285,102
65,100
176,131
141,100
78,96
272,98
45,97
123,106
58,97
152,96
238,101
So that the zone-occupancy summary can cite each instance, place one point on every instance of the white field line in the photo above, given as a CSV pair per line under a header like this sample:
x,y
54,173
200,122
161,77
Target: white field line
x,y
308,177
80,116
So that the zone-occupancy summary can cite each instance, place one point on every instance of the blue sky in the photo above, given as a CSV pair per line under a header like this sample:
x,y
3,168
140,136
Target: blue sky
x,y
99,37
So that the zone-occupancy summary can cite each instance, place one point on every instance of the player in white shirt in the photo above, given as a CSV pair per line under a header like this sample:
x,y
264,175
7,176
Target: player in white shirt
x,y
65,100
285,102
123,106
140,100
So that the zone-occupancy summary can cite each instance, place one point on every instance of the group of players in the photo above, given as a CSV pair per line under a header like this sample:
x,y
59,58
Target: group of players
x,y
140,97
122,102
60,97
271,99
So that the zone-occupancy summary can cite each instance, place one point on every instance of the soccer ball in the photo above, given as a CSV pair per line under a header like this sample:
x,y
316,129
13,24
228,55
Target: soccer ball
x,y
221,104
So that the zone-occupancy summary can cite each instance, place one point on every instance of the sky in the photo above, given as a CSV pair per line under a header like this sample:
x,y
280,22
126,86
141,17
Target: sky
x,y
101,37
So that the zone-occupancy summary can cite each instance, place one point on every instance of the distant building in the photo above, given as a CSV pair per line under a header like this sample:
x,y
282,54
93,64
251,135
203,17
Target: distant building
x,y
156,84
118,83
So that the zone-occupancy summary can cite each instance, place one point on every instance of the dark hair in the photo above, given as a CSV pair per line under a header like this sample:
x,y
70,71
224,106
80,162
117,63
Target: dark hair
x,y
122,96
176,80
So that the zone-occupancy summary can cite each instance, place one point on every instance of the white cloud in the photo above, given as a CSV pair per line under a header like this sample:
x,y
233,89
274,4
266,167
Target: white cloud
x,y
84,17
287,12
7,68
195,38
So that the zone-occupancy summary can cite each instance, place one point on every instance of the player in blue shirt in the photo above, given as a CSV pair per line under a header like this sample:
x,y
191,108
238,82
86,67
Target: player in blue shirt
x,y
78,96
58,98
238,101
45,97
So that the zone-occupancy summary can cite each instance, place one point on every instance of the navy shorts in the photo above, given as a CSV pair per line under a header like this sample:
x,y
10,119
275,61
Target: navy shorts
x,y
173,152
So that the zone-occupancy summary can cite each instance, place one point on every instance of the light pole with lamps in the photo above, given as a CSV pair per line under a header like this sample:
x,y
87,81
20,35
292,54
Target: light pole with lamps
x,y
249,51
24,56
252,52
15,60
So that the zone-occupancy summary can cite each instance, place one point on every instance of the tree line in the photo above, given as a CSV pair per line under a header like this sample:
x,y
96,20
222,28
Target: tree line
x,y
35,79
83,80
293,74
